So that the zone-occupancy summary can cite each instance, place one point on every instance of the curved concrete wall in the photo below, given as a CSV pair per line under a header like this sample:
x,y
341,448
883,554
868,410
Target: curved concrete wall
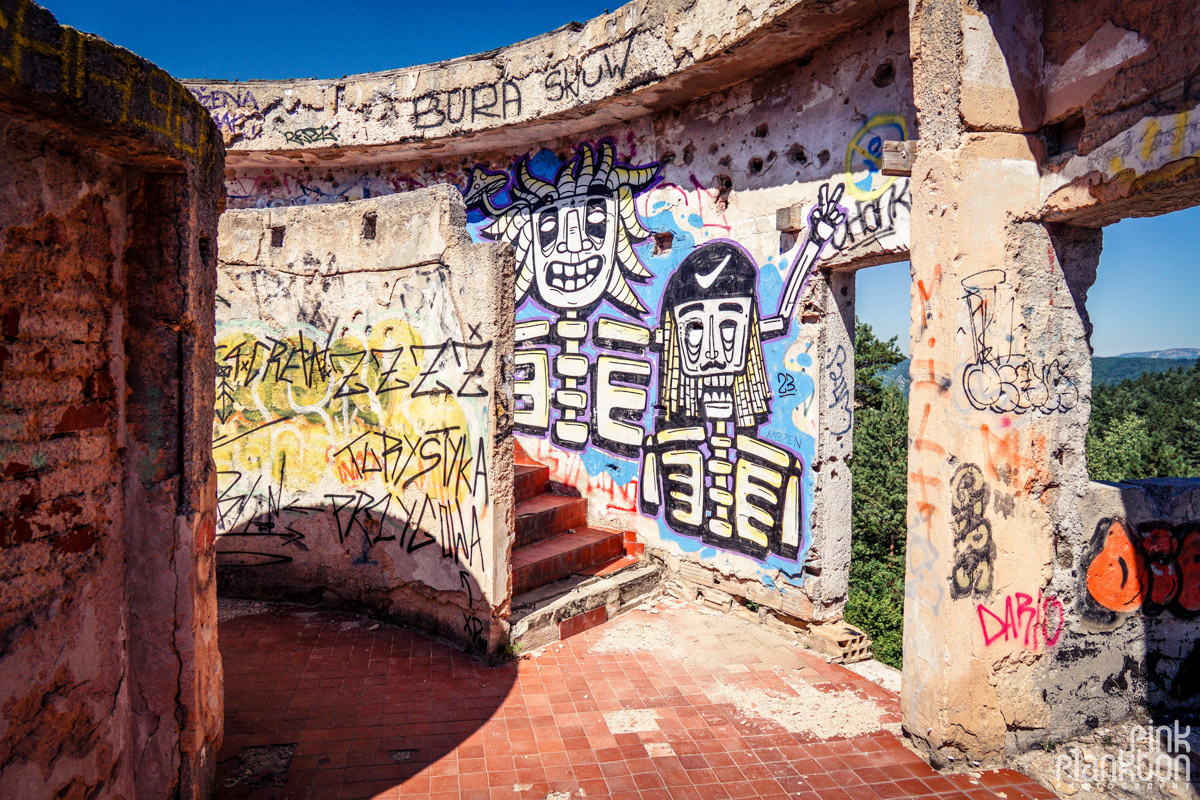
x,y
739,172
361,349
110,679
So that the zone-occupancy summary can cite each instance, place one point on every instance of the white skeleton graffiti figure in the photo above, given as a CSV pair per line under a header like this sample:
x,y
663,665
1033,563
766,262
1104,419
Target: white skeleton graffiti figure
x,y
574,240
744,493
574,236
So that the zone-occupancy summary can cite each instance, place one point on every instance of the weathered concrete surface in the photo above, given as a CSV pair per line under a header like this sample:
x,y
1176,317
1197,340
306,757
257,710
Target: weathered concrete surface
x,y
364,456
1008,641
110,680
1128,635
1037,124
647,56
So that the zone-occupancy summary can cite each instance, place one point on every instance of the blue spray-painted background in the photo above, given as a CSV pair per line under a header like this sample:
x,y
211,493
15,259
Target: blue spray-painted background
x,y
660,217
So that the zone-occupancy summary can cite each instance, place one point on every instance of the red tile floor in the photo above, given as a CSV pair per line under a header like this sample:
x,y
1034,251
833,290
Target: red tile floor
x,y
637,709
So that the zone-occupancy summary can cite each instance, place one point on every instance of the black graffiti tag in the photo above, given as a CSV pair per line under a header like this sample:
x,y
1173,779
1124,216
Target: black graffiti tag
x,y
974,548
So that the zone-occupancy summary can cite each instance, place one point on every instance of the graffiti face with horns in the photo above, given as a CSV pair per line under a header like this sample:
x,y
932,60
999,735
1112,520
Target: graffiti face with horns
x,y
574,236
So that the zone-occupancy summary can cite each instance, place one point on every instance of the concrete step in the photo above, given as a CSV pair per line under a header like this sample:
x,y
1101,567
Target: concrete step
x,y
529,481
546,515
563,555
562,609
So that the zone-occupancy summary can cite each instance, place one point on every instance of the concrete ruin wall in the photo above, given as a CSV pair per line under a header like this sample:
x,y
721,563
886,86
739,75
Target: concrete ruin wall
x,y
110,680
1037,124
709,176
363,459
1127,639
1027,617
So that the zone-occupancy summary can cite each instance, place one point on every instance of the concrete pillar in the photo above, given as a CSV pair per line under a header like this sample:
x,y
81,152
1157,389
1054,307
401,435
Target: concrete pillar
x,y
828,568
1001,381
110,677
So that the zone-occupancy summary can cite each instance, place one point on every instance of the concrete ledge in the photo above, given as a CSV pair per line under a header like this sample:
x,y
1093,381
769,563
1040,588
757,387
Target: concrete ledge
x,y
539,616
646,55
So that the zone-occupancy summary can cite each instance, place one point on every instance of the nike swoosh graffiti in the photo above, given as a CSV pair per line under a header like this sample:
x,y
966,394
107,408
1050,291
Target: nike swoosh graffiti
x,y
706,281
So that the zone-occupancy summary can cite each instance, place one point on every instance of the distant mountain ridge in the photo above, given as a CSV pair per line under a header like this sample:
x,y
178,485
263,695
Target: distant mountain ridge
x,y
1174,352
1107,370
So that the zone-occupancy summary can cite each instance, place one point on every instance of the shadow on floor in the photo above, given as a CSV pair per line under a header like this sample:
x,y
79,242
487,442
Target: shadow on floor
x,y
321,704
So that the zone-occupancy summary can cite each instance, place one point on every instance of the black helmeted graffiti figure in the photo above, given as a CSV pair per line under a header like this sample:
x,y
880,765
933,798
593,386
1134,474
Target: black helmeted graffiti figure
x,y
705,462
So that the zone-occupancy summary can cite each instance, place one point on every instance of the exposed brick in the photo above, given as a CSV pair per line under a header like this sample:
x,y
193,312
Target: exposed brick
x,y
92,638
76,541
12,322
78,418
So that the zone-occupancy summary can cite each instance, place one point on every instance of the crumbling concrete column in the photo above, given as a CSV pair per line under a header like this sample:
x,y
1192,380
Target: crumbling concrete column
x,y
110,679
1000,390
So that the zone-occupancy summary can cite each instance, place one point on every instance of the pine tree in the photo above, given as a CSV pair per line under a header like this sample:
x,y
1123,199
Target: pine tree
x,y
878,505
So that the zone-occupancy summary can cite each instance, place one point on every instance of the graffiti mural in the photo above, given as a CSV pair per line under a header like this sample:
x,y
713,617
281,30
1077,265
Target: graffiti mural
x,y
380,432
235,110
574,238
1152,570
1028,621
651,363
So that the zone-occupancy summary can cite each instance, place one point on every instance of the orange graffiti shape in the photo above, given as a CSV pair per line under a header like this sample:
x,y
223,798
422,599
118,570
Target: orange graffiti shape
x,y
1013,463
1116,578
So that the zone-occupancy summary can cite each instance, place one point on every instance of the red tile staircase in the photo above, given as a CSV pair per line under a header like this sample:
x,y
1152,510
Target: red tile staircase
x,y
554,540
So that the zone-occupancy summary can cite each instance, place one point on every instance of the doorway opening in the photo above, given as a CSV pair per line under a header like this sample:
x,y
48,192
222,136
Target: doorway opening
x,y
879,463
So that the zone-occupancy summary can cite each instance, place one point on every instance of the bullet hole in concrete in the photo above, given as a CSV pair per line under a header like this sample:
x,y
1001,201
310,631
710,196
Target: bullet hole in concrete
x,y
712,149
797,155
804,62
823,157
761,131
675,113
756,165
1064,136
667,157
885,74
725,160
277,235
663,242
689,153
724,185
846,102
368,228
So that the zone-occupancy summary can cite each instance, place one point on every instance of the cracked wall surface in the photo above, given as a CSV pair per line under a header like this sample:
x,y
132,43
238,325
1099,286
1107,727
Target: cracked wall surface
x,y
363,453
109,666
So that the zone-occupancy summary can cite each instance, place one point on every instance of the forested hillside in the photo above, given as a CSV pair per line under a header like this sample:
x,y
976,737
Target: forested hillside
x,y
1146,427
1112,370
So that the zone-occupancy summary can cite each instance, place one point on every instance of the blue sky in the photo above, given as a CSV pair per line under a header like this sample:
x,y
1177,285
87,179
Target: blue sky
x,y
1145,297
306,39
